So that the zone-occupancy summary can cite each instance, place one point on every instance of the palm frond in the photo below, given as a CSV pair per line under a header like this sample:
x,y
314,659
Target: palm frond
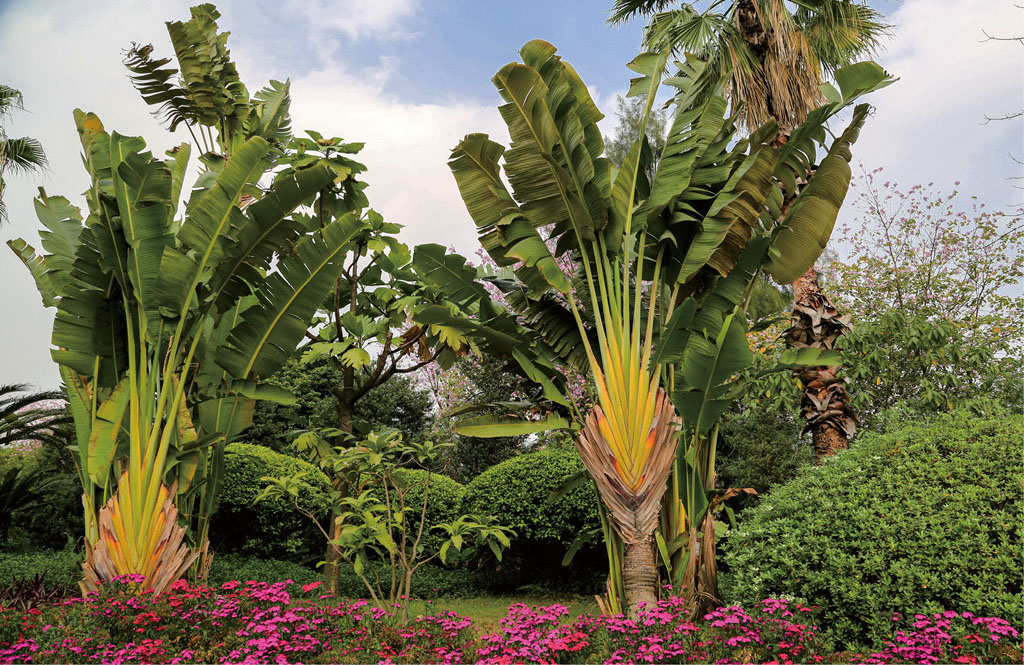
x,y
626,10
21,155
10,100
687,30
841,31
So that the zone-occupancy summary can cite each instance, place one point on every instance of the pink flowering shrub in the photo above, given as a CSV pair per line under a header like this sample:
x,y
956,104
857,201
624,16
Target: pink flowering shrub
x,y
257,622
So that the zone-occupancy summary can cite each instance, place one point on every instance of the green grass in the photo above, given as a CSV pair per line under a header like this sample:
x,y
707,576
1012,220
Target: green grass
x,y
487,611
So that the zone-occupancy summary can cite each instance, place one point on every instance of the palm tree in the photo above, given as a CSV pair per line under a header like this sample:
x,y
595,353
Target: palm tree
x,y
774,61
29,416
17,155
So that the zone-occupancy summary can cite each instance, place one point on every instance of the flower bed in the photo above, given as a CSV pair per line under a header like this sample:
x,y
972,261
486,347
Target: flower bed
x,y
257,622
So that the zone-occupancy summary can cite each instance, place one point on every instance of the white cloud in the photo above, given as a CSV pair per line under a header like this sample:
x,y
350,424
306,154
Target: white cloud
x,y
929,125
368,18
72,58
407,149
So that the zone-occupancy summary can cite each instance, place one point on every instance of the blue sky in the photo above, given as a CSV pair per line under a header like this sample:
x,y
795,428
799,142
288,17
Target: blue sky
x,y
411,77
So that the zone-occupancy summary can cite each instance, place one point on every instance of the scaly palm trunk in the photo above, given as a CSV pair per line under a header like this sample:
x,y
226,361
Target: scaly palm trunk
x,y
825,403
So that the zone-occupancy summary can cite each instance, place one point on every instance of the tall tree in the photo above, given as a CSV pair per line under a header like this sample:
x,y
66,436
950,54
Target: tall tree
x,y
17,155
655,308
774,61
168,316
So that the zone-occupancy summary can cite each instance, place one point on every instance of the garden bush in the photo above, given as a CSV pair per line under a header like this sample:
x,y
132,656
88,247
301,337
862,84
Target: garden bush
x,y
517,491
272,528
61,567
923,517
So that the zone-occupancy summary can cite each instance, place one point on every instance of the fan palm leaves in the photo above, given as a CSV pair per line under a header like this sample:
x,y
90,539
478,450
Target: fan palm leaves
x,y
773,59
17,155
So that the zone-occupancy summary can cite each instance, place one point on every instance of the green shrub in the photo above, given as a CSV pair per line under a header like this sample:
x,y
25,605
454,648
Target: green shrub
x,y
923,517
272,528
61,567
430,581
516,491
443,500
759,448
227,567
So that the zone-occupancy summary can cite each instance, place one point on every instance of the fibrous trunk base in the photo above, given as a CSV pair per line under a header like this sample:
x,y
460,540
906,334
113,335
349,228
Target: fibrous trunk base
x,y
640,576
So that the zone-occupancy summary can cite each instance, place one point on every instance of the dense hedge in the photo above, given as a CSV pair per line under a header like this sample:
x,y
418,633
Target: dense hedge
x,y
922,518
271,528
64,568
516,491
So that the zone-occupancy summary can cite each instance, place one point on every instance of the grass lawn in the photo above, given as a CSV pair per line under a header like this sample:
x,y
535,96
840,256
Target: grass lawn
x,y
487,611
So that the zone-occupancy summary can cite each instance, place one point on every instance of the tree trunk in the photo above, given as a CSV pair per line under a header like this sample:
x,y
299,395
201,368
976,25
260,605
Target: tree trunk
x,y
332,558
825,404
640,575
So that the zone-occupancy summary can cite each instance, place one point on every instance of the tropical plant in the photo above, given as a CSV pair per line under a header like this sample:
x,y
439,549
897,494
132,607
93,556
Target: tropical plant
x,y
22,489
166,319
17,155
774,61
381,516
27,415
363,330
656,310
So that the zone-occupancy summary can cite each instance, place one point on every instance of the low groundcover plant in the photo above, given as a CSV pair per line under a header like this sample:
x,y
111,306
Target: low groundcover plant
x,y
282,622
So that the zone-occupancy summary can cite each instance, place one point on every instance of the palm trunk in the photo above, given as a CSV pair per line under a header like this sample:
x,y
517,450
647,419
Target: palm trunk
x,y
825,403
640,575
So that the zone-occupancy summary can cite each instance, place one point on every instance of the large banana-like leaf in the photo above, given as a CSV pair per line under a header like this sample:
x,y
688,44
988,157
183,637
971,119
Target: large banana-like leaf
x,y
269,116
209,77
158,86
505,233
289,298
206,236
805,231
728,225
624,195
491,425
693,129
269,230
537,165
703,393
142,188
38,267
107,428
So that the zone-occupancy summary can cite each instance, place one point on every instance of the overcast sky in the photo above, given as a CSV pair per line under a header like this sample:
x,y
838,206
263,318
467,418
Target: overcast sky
x,y
411,77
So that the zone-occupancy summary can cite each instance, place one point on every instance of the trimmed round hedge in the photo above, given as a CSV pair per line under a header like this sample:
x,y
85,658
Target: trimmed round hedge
x,y
923,517
516,491
271,528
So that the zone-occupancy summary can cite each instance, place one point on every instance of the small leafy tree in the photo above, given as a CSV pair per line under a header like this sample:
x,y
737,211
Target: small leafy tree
x,y
935,285
375,519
